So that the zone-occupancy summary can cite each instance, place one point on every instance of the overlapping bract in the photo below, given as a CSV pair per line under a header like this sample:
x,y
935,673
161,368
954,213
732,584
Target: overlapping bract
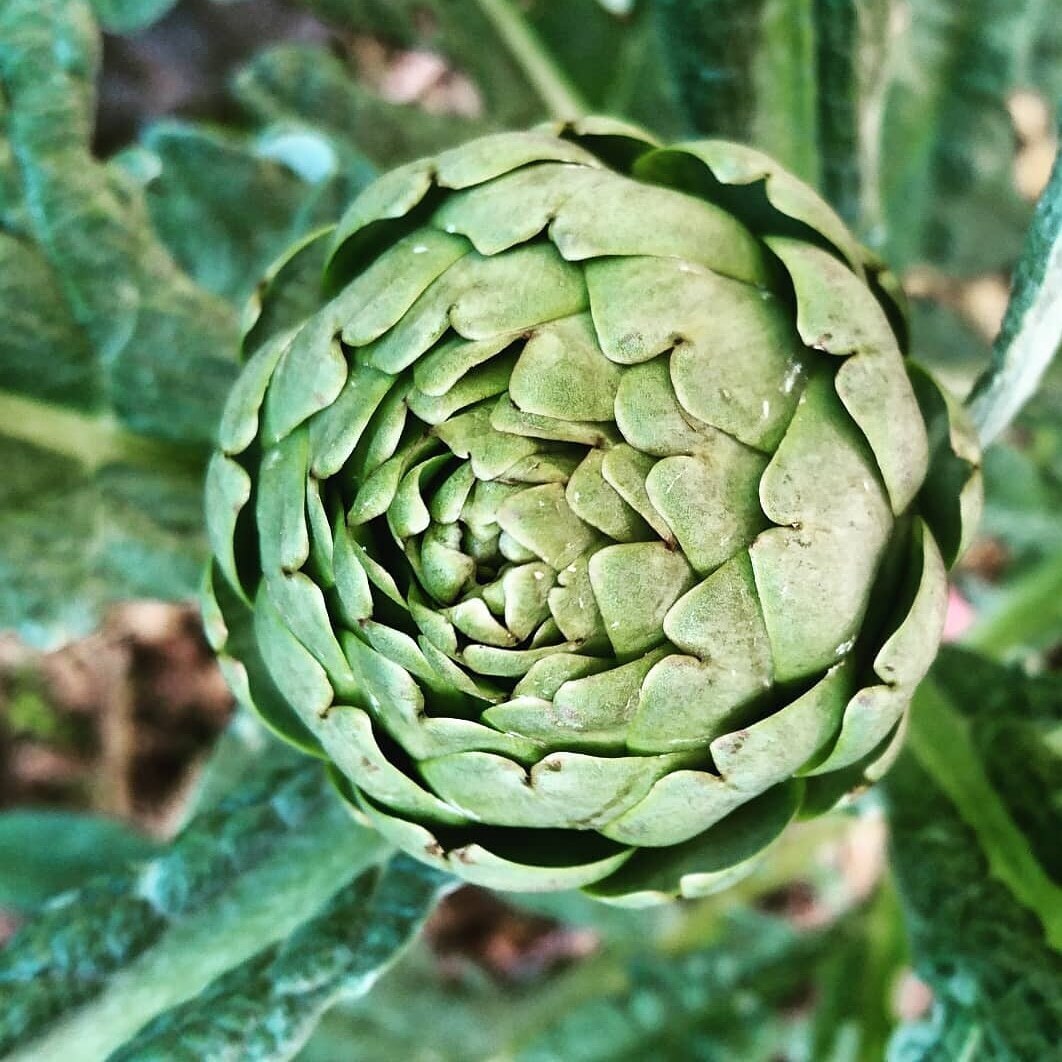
x,y
583,528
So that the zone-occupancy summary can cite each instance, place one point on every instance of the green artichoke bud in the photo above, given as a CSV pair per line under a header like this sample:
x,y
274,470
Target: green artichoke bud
x,y
591,525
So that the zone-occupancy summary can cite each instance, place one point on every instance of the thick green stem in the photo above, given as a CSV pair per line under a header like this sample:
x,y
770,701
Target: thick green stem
x,y
549,81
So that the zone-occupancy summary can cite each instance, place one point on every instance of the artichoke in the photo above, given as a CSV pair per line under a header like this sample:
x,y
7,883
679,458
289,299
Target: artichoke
x,y
590,522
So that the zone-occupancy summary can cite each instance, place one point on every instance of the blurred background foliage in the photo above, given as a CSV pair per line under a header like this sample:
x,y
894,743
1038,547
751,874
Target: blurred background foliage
x,y
155,159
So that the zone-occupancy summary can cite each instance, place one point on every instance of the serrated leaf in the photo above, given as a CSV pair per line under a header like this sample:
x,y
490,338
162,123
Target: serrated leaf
x,y
95,965
46,852
975,821
267,1008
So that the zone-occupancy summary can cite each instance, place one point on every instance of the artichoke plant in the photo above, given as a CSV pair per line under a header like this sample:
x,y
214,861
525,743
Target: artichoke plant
x,y
592,525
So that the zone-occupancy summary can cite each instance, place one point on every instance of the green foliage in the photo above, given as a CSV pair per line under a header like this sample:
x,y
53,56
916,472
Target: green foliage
x,y
127,16
47,852
719,1002
164,349
948,146
618,65
745,71
113,376
124,283
268,1007
226,206
240,876
310,88
468,32
1032,329
801,79
974,818
710,980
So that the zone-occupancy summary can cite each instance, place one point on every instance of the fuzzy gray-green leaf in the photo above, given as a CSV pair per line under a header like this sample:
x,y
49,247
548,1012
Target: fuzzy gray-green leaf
x,y
96,964
267,1008
1031,333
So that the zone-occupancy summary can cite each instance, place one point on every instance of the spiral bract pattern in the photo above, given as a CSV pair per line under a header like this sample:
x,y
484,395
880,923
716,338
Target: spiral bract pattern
x,y
590,525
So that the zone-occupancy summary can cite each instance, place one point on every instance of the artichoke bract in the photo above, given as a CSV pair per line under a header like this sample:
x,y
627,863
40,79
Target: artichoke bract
x,y
591,523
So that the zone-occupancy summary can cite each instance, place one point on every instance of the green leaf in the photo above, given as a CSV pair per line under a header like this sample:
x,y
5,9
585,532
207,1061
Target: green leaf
x,y
477,36
618,65
1032,328
745,71
94,966
227,206
854,1015
43,353
128,16
114,364
1026,614
89,515
245,750
46,852
309,86
165,348
1014,725
716,1002
850,65
537,65
802,79
268,1007
947,141
975,821
469,1019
